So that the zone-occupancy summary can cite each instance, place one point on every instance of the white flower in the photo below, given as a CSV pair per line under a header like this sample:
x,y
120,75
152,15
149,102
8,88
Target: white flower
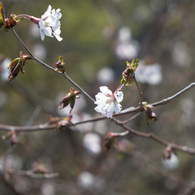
x,y
171,163
49,23
108,102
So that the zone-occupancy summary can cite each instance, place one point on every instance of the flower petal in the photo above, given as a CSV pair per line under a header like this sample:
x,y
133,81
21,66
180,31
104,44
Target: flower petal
x,y
105,90
119,96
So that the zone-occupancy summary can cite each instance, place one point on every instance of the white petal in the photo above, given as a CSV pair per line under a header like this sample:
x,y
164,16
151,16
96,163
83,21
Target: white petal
x,y
117,108
42,35
105,90
119,96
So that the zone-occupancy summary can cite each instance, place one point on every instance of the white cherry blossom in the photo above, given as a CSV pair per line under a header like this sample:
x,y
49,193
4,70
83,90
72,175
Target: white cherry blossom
x,y
49,23
108,102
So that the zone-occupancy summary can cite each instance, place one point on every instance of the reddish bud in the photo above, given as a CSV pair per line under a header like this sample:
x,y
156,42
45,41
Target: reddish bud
x,y
60,65
17,65
12,138
2,16
150,115
109,140
129,73
69,99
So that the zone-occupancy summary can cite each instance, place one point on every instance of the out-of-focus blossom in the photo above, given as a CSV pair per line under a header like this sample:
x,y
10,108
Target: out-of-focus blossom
x,y
150,74
39,51
181,54
170,159
124,34
171,163
105,75
48,189
108,102
12,162
86,180
126,48
49,24
34,31
4,69
188,112
92,142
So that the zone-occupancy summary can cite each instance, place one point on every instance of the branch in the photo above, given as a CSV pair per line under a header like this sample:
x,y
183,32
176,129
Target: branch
x,y
52,69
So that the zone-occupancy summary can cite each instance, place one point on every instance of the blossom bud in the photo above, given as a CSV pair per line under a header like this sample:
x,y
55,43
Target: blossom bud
x,y
61,122
69,99
60,65
150,115
12,138
129,73
17,65
2,16
109,140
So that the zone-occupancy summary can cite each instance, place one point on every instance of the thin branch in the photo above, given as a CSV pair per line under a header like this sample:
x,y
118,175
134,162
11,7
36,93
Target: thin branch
x,y
139,90
28,128
164,101
52,69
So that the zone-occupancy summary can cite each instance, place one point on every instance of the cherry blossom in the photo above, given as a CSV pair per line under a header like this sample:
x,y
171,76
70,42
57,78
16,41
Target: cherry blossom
x,y
108,102
49,23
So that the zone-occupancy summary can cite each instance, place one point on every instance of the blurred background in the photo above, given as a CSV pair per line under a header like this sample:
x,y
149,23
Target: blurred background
x,y
98,38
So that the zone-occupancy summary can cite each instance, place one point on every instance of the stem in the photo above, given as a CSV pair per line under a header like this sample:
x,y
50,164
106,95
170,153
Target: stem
x,y
52,69
164,101
140,93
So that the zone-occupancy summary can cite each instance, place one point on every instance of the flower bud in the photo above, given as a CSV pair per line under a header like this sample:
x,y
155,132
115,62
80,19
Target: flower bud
x,y
61,122
60,65
69,99
2,16
150,115
129,73
109,140
17,65
11,135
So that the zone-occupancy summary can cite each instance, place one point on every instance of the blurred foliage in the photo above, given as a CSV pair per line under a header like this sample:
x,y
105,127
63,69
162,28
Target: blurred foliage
x,y
164,31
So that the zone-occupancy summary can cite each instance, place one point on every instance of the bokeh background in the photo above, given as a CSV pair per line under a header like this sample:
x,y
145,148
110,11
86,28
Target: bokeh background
x,y
98,37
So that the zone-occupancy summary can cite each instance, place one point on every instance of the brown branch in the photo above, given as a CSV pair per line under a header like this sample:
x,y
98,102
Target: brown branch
x,y
27,128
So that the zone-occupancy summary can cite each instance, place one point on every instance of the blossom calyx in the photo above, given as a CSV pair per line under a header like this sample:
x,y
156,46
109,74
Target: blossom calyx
x,y
69,99
61,122
150,115
129,73
60,65
6,23
17,65
12,138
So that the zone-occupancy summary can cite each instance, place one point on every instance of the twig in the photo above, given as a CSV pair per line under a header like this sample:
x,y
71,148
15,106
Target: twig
x,y
52,69
164,101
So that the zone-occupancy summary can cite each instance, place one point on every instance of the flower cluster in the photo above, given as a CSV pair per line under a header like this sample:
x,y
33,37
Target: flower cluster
x,y
108,102
50,23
